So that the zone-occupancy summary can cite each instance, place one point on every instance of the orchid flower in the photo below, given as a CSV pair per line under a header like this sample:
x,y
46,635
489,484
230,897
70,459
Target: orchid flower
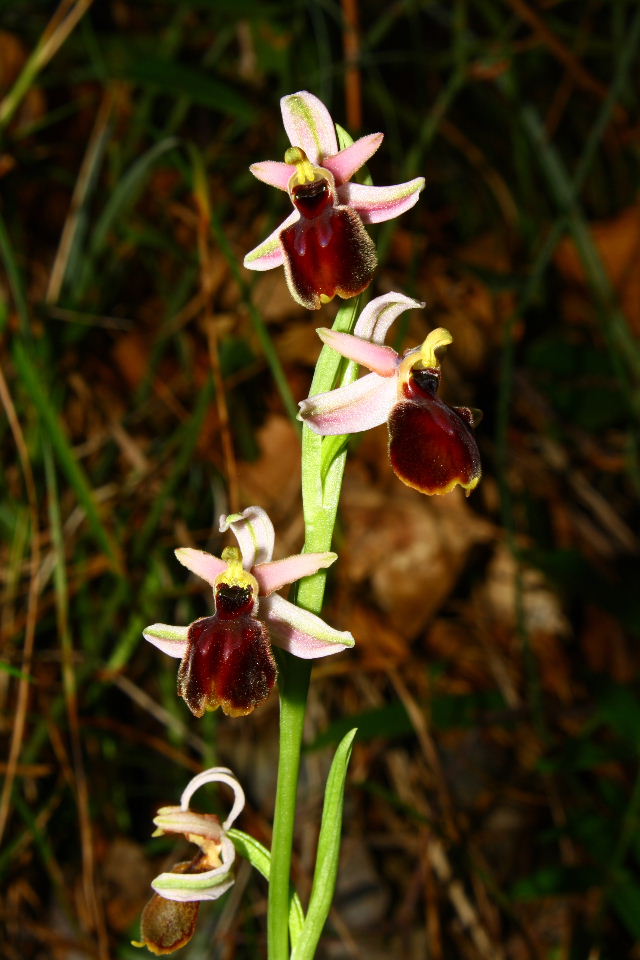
x,y
226,659
168,920
322,244
431,446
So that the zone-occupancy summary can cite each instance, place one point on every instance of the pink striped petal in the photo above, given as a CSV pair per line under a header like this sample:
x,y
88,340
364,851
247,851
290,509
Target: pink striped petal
x,y
301,633
352,409
201,563
171,640
309,125
272,576
382,360
274,173
254,532
375,204
376,318
269,253
344,164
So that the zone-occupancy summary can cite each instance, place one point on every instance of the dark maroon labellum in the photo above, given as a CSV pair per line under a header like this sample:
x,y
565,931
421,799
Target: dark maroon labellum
x,y
229,662
430,445
312,198
328,255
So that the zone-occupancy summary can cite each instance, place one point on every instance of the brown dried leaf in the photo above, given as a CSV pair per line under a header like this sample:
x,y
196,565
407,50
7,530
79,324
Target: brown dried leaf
x,y
272,298
541,607
126,874
544,620
618,243
273,481
380,645
607,649
408,547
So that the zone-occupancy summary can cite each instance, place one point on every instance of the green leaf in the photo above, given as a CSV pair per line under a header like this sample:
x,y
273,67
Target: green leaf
x,y
173,78
619,709
260,858
123,195
328,857
554,881
127,189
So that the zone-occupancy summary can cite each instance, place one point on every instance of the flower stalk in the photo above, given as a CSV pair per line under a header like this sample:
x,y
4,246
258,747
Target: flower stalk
x,y
320,504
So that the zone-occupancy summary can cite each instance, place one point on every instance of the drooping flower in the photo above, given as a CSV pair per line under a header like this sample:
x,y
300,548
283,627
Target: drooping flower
x,y
226,659
169,918
431,446
322,244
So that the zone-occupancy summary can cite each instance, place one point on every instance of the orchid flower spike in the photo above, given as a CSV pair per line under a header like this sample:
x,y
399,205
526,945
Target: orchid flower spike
x,y
431,446
169,918
322,244
226,659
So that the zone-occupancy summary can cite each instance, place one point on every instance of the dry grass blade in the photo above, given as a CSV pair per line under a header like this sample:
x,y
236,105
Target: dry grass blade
x,y
352,76
85,176
201,193
575,68
79,782
63,22
24,682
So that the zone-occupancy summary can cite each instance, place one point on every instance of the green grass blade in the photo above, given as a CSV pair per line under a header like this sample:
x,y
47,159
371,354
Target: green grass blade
x,y
168,76
260,327
76,476
181,462
13,275
124,195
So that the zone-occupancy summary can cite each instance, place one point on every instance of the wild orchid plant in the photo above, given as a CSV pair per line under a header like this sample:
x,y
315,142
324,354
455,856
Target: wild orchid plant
x,y
226,659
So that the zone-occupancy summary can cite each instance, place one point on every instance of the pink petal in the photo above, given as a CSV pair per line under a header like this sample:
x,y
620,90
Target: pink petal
x,y
254,532
352,409
376,318
274,173
269,253
382,360
301,633
201,563
375,204
309,125
272,576
344,164
171,640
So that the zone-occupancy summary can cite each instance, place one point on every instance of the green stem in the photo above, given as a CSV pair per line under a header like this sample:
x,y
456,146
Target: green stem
x,y
320,501
294,684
